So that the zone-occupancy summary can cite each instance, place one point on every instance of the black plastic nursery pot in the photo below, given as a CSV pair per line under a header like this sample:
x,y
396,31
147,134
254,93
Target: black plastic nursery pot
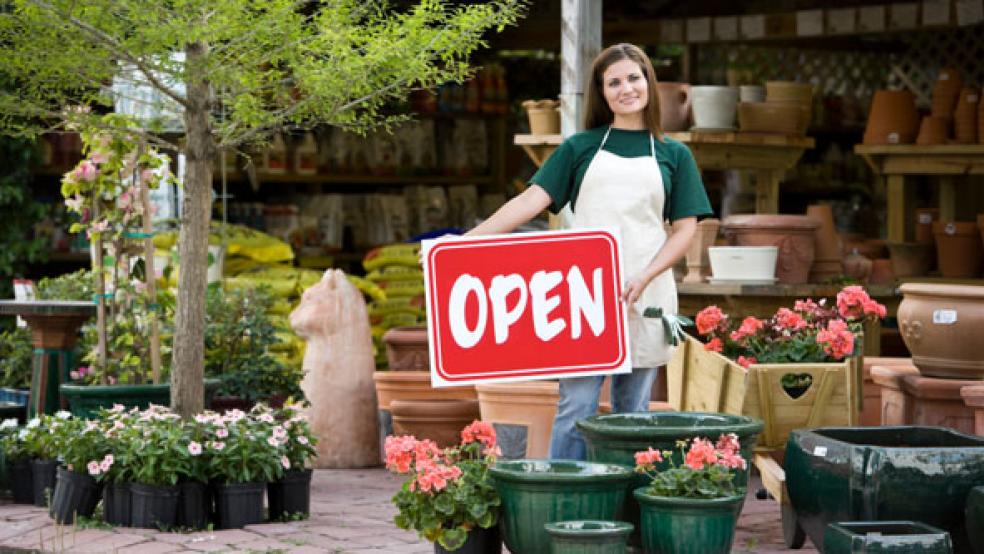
x,y
43,474
153,507
116,504
238,504
194,505
21,479
76,494
290,495
479,541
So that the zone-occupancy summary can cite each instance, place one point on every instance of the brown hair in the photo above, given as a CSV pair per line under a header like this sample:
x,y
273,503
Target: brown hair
x,y
596,110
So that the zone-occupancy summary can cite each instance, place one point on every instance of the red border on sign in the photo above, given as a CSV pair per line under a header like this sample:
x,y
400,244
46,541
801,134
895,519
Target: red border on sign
x,y
520,239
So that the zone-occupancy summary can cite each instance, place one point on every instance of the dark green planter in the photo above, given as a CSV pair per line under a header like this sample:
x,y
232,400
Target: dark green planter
x,y
21,479
615,438
84,401
687,525
975,518
153,507
878,537
479,541
194,505
238,504
537,492
43,480
882,474
588,537
76,494
290,495
116,504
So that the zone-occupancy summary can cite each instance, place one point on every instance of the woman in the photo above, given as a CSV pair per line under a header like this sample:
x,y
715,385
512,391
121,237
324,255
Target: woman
x,y
621,172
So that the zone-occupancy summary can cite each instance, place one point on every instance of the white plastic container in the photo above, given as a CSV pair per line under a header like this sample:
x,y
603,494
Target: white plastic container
x,y
755,264
714,107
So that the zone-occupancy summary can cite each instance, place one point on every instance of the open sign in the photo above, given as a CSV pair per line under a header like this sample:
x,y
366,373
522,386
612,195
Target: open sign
x,y
525,306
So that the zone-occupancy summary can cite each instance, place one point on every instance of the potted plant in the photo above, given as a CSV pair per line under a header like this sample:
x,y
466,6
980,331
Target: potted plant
x,y
194,497
16,461
448,496
246,452
290,496
157,457
691,506
84,451
118,426
41,447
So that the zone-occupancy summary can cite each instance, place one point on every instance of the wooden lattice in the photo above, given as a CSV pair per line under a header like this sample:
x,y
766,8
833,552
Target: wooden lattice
x,y
929,51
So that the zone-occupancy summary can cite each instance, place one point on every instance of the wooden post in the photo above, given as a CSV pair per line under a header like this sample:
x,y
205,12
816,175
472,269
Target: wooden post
x,y
895,188
767,191
947,198
100,294
150,275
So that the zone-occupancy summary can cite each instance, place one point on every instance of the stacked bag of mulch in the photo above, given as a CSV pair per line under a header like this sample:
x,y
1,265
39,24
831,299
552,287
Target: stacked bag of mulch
x,y
395,270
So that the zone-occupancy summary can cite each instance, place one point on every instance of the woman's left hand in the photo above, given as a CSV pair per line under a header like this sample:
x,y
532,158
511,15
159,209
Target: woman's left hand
x,y
633,289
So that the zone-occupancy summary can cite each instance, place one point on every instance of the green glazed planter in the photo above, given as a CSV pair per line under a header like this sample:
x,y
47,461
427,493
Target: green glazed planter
x,y
877,537
588,537
975,518
687,525
84,401
881,474
615,438
537,492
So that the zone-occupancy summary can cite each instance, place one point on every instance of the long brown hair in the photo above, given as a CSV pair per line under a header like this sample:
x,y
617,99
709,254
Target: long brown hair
x,y
596,110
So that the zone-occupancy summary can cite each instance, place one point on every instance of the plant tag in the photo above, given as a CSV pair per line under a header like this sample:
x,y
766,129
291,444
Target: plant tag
x,y
925,219
944,76
893,138
950,229
944,317
820,451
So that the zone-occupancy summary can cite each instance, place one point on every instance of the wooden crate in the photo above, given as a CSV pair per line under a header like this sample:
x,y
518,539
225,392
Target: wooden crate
x,y
703,381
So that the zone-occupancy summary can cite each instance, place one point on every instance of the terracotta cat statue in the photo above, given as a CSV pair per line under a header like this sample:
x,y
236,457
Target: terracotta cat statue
x,y
338,368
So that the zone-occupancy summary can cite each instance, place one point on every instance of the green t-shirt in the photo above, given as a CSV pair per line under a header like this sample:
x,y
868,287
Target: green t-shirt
x,y
563,171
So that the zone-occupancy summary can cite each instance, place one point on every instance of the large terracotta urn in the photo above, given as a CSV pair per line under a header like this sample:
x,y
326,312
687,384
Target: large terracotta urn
x,y
674,106
406,349
793,235
941,326
438,420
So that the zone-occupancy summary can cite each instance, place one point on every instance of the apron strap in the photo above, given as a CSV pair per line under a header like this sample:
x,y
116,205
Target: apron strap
x,y
652,144
604,139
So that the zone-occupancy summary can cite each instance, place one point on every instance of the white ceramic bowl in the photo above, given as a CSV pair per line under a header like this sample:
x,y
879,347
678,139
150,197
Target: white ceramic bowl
x,y
743,263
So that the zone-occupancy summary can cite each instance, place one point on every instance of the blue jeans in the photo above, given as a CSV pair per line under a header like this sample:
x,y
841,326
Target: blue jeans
x,y
579,400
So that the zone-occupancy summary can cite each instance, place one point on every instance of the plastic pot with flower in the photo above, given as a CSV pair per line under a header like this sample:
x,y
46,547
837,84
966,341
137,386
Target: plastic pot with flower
x,y
290,496
691,506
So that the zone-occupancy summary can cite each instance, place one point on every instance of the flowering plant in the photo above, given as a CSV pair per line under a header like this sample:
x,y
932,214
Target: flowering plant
x,y
40,437
83,446
244,448
11,440
706,471
447,492
154,449
810,332
300,442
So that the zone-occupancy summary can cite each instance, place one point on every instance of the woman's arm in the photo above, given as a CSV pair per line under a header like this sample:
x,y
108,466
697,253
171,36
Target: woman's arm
x,y
673,249
515,212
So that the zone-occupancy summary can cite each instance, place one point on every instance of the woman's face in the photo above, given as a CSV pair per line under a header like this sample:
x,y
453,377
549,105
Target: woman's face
x,y
624,86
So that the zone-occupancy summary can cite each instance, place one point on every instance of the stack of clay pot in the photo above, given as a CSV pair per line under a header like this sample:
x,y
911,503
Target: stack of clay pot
x,y
959,252
945,93
916,259
544,116
789,94
965,116
892,119
827,258
793,235
674,106
714,107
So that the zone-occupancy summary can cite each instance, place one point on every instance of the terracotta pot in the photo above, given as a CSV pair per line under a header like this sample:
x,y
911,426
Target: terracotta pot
x,y
793,235
789,91
895,407
881,272
827,260
892,119
414,385
544,116
911,259
937,402
941,326
674,106
714,107
769,117
933,130
522,414
965,116
698,264
438,420
973,397
959,253
945,92
871,412
406,349
925,217
857,266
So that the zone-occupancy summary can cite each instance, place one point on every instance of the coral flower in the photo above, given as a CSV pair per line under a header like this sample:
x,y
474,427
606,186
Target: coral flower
x,y
709,319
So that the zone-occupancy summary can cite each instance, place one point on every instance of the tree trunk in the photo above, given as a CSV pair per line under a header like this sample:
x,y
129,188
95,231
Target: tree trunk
x,y
188,360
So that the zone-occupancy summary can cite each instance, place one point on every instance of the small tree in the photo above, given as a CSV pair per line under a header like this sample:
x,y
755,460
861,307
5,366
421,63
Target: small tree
x,y
236,71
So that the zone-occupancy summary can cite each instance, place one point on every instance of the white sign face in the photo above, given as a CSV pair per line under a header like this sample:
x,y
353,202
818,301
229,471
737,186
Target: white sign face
x,y
944,317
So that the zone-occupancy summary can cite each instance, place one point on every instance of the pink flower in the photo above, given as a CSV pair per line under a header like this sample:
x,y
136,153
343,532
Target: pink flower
x,y
75,203
701,452
99,157
74,375
731,460
728,443
284,461
266,418
745,362
106,464
194,448
94,468
222,432
837,339
272,441
806,306
279,432
479,431
86,171
218,445
709,319
790,320
854,303
648,457
714,345
749,326
302,439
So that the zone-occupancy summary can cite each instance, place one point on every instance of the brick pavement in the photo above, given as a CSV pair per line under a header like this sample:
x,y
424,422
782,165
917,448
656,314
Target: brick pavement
x,y
351,513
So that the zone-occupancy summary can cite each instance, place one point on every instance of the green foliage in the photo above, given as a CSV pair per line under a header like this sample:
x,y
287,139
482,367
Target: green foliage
x,y
247,449
155,451
705,470
238,337
40,438
70,286
12,440
16,352
81,443
301,442
18,211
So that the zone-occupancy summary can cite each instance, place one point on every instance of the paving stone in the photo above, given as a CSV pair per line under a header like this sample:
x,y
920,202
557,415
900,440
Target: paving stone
x,y
264,544
108,544
151,547
234,536
273,529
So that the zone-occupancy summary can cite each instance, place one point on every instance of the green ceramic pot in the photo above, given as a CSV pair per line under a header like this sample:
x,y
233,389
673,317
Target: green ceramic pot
x,y
588,537
84,401
615,438
974,513
687,525
898,537
537,492
881,474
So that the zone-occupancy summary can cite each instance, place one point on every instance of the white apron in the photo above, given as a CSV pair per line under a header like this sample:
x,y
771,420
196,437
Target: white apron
x,y
628,194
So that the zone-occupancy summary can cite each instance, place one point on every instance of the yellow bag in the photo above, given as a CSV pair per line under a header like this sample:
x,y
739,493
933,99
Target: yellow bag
x,y
394,289
368,288
396,273
243,241
407,254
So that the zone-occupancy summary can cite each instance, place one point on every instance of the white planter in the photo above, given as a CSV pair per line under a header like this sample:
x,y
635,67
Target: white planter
x,y
743,263
714,107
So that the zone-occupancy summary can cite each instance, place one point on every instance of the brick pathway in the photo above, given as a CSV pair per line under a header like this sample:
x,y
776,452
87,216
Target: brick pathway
x,y
351,513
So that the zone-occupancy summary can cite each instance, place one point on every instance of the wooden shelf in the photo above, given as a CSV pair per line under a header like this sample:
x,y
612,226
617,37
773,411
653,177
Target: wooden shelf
x,y
77,257
384,180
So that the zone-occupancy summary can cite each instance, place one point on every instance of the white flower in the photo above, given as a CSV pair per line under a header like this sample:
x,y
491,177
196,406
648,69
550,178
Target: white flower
x,y
22,434
8,423
279,432
62,414
222,432
117,408
302,439
218,445
33,423
266,418
94,468
194,448
285,462
272,441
